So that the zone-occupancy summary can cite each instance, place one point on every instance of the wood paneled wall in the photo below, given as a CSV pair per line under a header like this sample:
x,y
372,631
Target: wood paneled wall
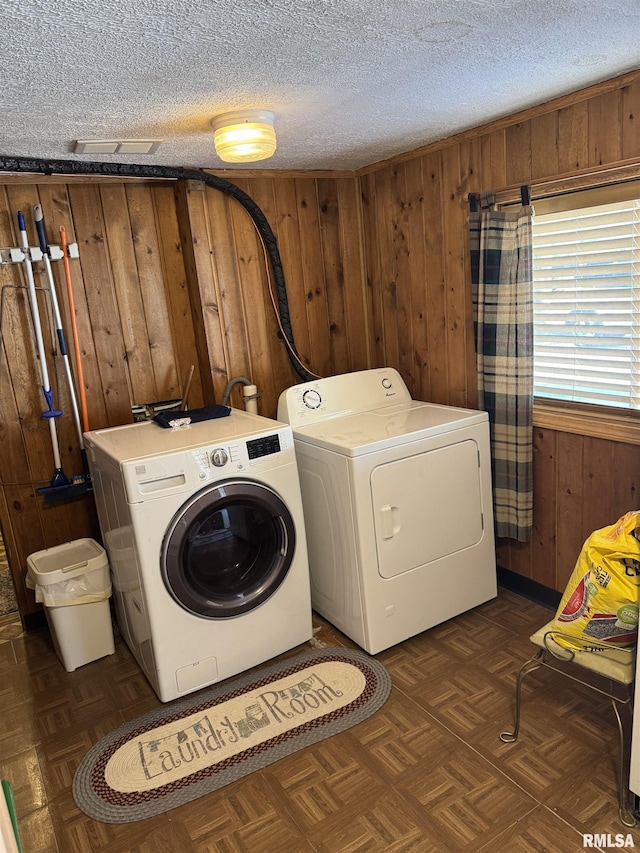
x,y
169,275
135,330
317,226
415,226
376,270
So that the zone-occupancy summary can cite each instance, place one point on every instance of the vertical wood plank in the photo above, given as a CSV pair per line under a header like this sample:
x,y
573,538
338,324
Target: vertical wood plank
x,y
625,468
418,278
279,364
288,231
503,554
573,137
15,550
457,290
631,121
359,316
177,292
232,249
251,263
153,296
544,145
126,284
61,206
385,225
494,160
543,537
311,257
373,270
605,128
108,342
569,527
194,236
521,558
404,308
518,153
598,484
433,218
333,272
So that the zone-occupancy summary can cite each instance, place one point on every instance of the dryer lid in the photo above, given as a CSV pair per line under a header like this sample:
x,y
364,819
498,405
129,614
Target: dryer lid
x,y
391,426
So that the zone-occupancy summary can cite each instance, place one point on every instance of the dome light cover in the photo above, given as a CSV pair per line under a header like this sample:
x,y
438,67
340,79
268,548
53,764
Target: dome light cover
x,y
244,136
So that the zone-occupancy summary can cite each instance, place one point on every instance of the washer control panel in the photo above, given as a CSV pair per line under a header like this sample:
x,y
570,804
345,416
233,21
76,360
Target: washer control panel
x,y
219,457
246,454
172,473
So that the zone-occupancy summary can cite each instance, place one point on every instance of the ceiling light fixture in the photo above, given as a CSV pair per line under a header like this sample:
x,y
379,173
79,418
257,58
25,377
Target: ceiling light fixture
x,y
244,136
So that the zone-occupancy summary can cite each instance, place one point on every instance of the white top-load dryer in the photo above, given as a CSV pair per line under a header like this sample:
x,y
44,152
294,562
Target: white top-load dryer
x,y
397,504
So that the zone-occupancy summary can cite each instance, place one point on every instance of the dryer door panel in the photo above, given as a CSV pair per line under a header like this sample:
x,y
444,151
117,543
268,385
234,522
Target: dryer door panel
x,y
426,507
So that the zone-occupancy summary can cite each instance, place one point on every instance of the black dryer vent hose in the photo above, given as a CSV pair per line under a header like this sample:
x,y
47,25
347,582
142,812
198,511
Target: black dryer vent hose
x,y
36,166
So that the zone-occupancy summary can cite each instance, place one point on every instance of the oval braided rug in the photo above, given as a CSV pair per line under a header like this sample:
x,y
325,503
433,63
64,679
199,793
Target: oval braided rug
x,y
194,746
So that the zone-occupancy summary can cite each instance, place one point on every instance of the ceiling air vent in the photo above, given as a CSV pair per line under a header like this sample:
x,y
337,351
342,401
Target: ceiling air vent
x,y
116,146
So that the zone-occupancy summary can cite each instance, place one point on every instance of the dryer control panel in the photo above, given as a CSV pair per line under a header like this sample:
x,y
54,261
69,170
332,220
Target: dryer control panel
x,y
341,395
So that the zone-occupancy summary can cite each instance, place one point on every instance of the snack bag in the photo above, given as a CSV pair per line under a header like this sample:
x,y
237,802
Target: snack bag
x,y
602,596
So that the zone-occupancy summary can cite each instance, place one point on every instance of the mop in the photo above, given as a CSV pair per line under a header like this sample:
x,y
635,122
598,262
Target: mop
x,y
59,478
62,342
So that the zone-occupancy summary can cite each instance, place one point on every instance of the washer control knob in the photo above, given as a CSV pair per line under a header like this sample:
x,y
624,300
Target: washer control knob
x,y
386,383
311,399
219,457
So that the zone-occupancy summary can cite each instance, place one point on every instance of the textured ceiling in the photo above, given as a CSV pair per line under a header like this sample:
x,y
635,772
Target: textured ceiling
x,y
351,82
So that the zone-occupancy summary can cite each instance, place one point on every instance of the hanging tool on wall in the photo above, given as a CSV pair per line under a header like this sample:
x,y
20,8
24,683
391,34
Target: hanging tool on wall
x,y
59,479
38,217
64,245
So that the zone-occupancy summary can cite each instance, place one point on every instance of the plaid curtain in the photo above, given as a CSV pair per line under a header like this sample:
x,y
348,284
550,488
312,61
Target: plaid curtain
x,y
501,279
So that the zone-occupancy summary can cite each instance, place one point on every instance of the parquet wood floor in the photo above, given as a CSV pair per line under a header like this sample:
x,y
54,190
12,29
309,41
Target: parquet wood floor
x,y
427,773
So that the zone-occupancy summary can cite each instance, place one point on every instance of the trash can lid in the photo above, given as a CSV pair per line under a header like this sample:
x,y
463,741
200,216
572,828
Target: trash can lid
x,y
52,565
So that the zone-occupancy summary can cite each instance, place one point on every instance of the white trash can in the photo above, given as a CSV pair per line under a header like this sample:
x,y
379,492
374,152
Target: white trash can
x,y
72,581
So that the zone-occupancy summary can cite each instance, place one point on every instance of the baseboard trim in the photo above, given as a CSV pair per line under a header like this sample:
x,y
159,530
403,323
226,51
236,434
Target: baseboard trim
x,y
34,621
529,589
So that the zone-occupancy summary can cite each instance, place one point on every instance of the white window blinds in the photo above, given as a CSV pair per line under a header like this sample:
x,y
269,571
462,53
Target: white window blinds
x,y
586,279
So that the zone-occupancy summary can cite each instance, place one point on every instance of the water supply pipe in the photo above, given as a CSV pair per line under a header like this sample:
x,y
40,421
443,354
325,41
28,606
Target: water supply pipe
x,y
250,393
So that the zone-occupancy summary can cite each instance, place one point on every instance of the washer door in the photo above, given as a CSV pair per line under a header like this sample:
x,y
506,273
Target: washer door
x,y
228,549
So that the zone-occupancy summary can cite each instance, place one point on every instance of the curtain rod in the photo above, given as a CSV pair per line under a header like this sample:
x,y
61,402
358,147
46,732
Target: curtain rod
x,y
617,173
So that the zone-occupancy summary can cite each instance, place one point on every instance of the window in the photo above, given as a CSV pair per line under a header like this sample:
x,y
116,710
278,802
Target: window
x,y
586,280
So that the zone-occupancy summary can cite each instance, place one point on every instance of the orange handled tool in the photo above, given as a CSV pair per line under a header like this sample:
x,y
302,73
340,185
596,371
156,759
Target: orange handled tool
x,y
74,328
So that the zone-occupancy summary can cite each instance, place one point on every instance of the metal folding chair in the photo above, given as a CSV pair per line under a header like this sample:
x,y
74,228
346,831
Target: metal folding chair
x,y
614,664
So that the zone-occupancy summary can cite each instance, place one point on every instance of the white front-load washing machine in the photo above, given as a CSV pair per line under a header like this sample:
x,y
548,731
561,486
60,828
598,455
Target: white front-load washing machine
x,y
205,535
398,505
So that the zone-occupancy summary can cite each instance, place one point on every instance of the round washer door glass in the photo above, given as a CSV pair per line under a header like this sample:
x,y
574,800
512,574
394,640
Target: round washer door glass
x,y
228,549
